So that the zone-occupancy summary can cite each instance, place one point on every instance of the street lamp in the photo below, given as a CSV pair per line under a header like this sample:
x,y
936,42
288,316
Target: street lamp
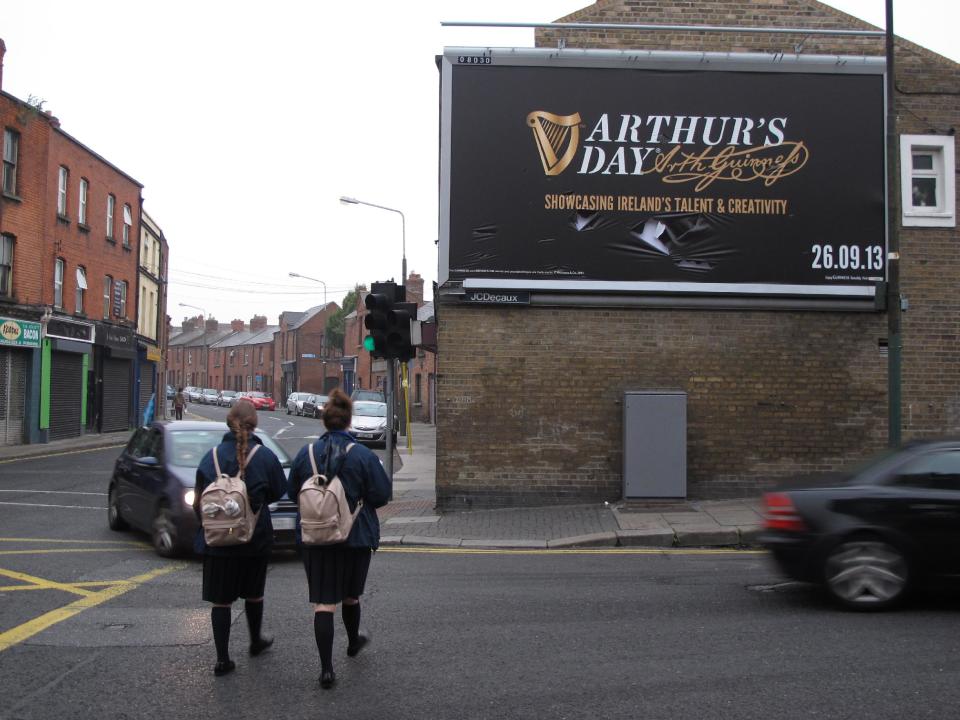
x,y
304,277
403,228
195,307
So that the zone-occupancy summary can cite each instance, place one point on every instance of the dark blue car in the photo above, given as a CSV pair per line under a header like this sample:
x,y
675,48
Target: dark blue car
x,y
152,484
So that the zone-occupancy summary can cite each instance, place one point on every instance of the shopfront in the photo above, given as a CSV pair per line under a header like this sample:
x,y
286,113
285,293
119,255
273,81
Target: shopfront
x,y
116,352
67,347
19,340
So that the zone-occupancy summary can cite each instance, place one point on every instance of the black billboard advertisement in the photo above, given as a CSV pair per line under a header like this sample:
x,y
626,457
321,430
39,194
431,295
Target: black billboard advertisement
x,y
751,177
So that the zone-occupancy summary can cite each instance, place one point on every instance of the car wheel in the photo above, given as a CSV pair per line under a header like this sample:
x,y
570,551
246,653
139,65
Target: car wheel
x,y
288,411
866,573
164,533
114,518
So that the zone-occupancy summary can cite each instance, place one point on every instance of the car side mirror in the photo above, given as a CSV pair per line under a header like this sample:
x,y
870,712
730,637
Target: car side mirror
x,y
148,461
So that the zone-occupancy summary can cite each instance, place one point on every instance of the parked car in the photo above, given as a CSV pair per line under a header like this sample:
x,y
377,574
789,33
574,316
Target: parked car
x,y
171,392
233,400
193,394
874,533
225,397
295,402
209,396
313,406
260,400
361,395
151,488
369,425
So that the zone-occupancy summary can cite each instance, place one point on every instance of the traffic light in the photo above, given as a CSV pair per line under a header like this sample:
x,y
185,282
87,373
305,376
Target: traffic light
x,y
379,304
398,331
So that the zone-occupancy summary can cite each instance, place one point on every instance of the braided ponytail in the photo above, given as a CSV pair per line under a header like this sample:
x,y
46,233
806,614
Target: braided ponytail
x,y
242,420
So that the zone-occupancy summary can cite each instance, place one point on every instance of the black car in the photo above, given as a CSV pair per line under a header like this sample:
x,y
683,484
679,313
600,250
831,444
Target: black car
x,y
313,406
152,484
871,535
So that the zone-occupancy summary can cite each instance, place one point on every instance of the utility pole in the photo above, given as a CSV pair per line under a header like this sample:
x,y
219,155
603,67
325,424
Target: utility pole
x,y
894,340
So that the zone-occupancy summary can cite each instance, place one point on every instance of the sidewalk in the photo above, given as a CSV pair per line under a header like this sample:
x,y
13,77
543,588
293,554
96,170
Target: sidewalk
x,y
411,518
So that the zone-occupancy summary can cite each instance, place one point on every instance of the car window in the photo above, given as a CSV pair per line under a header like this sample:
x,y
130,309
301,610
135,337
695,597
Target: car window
x,y
153,444
370,409
137,444
935,470
187,447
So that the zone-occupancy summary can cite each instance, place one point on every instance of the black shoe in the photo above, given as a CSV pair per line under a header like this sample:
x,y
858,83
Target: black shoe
x,y
261,644
223,667
327,679
354,648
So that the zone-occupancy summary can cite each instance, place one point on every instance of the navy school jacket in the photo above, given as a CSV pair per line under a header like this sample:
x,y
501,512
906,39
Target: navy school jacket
x,y
362,476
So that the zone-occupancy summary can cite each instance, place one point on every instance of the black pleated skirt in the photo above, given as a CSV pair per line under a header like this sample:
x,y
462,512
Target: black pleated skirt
x,y
226,578
335,572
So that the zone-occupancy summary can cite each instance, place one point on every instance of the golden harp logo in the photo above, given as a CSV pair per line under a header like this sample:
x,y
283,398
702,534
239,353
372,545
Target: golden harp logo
x,y
557,136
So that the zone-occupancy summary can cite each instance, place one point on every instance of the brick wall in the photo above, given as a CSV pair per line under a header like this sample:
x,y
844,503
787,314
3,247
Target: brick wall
x,y
529,400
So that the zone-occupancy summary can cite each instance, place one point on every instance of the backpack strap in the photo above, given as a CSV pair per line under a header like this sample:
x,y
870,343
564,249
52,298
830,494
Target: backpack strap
x,y
216,465
250,455
313,460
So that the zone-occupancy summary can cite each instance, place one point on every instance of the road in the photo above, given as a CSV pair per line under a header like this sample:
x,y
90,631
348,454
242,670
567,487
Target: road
x,y
109,630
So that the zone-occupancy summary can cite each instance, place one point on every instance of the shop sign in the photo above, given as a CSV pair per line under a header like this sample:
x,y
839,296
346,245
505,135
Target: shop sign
x,y
153,354
69,330
497,297
21,333
117,337
597,172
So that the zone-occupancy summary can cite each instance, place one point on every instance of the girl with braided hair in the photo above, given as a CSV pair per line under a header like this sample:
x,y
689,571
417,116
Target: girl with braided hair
x,y
237,571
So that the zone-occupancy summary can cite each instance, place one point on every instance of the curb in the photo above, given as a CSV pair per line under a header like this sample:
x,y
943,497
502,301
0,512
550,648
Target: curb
x,y
44,450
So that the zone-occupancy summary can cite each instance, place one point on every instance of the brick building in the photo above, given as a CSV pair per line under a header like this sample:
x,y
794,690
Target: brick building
x,y
68,221
530,398
244,359
304,361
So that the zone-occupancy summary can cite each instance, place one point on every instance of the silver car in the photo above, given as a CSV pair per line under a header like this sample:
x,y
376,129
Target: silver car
x,y
226,398
194,394
209,396
295,402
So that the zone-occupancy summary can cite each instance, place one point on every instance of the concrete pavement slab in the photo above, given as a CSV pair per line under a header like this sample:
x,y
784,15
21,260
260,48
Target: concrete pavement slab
x,y
431,541
646,538
707,537
504,543
602,539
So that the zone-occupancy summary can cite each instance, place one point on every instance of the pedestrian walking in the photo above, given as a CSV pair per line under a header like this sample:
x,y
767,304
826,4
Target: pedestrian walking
x,y
240,570
338,573
178,402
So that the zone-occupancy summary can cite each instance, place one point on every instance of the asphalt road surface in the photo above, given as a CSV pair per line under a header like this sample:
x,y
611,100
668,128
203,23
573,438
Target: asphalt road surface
x,y
94,625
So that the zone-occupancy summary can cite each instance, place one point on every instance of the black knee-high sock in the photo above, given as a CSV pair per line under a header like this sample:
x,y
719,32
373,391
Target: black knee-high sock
x,y
220,619
351,621
323,630
254,612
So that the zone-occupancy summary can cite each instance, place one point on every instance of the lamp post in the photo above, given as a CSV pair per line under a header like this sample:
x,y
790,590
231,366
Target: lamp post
x,y
204,381
403,227
324,348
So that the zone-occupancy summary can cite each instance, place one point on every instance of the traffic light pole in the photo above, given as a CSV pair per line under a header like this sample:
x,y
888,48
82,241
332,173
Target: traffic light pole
x,y
388,442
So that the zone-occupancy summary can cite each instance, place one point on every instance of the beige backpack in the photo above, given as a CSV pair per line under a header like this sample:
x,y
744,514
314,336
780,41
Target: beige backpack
x,y
325,517
225,508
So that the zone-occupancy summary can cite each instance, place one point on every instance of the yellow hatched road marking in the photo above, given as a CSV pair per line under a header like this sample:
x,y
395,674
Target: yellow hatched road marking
x,y
30,628
99,583
45,584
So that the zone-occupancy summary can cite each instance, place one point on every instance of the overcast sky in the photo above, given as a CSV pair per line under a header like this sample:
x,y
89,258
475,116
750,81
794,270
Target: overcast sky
x,y
245,122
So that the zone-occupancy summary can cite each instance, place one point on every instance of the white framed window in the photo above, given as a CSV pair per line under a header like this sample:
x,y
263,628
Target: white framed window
x,y
11,155
111,207
82,210
6,265
127,222
64,179
58,284
81,287
927,181
107,295
122,312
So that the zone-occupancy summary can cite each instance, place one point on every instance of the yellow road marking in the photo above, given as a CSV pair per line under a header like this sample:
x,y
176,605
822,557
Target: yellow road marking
x,y
569,551
30,628
45,584
57,454
75,542
11,588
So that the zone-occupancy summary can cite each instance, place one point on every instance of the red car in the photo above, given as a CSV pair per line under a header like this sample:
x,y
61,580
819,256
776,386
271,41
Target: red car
x,y
261,401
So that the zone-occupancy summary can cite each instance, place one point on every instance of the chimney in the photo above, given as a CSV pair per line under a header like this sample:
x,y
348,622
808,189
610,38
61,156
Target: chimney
x,y
212,325
415,289
236,325
3,51
258,322
191,323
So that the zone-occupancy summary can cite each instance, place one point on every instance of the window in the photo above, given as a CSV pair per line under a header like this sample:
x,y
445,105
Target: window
x,y
107,295
143,307
261,356
936,471
120,310
82,210
6,265
417,397
246,357
189,357
11,153
62,191
127,222
58,284
927,179
81,287
111,206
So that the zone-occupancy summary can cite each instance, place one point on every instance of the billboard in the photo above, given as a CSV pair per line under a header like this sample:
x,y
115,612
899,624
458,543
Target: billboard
x,y
598,171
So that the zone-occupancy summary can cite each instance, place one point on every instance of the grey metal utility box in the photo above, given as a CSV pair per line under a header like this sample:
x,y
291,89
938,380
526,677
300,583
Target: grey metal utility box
x,y
655,444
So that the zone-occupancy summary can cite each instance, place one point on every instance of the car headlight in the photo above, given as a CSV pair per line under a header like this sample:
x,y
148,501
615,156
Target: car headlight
x,y
188,497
